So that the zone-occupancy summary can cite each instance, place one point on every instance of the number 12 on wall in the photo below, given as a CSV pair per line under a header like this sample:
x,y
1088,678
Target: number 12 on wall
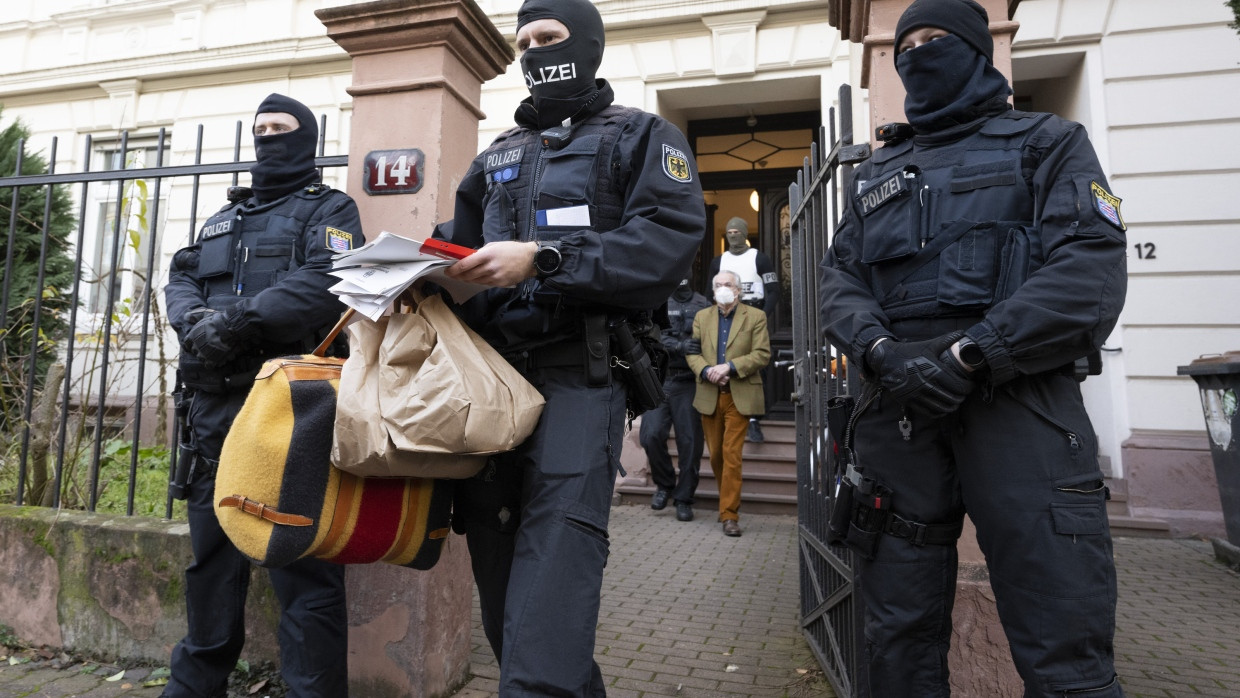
x,y
393,171
1145,250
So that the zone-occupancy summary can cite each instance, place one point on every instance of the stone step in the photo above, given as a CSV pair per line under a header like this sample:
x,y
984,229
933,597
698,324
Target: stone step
x,y
1124,526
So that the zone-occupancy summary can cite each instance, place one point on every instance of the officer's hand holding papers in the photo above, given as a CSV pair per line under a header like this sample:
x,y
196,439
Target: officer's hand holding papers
x,y
373,275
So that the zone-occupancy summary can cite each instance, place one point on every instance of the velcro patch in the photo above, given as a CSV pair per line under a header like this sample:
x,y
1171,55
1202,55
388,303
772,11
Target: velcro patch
x,y
769,278
339,240
1107,205
880,193
676,164
506,174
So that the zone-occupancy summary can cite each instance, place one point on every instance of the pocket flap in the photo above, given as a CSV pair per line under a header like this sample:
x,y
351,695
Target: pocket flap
x,y
1077,519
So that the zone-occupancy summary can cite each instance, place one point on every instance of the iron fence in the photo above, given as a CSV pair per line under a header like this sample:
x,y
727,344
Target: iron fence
x,y
86,369
830,609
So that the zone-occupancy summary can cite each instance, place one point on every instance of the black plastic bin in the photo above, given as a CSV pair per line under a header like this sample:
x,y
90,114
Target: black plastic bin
x,y
1218,377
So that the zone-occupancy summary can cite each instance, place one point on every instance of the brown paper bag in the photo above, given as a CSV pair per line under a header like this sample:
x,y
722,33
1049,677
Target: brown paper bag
x,y
422,395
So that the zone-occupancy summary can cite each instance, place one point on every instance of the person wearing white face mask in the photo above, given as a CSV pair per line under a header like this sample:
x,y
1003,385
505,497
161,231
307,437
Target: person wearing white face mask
x,y
759,288
734,349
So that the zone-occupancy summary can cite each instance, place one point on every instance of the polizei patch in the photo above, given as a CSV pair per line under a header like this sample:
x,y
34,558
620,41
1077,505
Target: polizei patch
x,y
1107,205
216,228
875,196
505,165
676,164
339,240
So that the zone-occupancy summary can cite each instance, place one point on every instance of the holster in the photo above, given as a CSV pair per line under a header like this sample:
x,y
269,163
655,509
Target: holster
x,y
633,366
178,487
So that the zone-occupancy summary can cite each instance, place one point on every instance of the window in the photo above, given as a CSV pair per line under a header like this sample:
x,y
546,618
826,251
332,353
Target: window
x,y
123,269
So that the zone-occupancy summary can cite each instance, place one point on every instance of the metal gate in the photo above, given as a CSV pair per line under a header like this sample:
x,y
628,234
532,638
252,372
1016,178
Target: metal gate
x,y
830,612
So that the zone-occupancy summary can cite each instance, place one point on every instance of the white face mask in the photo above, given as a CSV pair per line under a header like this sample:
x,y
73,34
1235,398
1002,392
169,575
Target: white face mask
x,y
725,296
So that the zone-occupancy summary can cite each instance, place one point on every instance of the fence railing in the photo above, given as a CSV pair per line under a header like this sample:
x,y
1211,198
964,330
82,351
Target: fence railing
x,y
86,355
830,610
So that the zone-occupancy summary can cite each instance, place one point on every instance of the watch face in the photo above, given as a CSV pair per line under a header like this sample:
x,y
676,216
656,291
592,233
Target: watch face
x,y
547,261
972,355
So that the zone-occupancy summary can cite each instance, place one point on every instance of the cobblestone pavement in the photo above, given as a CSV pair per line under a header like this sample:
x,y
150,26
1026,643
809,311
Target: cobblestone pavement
x,y
689,612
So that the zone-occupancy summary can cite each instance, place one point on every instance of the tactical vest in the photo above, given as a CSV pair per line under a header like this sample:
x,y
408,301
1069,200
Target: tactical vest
x,y
526,181
745,266
243,249
948,230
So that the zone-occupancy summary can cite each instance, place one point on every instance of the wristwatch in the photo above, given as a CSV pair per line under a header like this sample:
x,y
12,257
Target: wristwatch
x,y
971,354
547,259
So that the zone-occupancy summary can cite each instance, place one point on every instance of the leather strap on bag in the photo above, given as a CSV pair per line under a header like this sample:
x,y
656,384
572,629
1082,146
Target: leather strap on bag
x,y
321,349
262,511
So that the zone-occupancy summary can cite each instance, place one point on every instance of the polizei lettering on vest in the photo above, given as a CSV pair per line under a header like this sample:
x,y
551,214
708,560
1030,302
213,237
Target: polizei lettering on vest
x,y
213,229
883,192
552,73
503,159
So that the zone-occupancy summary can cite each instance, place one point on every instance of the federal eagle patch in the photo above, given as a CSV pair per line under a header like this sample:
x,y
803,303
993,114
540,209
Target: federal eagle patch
x,y
676,164
339,240
1107,205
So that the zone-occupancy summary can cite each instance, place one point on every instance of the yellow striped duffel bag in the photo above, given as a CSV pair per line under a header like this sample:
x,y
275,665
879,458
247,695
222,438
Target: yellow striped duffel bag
x,y
278,497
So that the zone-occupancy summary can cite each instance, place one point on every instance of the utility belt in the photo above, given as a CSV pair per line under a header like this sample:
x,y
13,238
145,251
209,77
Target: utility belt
x,y
215,383
617,347
867,506
861,508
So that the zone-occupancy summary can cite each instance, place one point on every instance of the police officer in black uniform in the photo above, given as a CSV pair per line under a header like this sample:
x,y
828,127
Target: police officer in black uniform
x,y
254,286
981,255
585,217
680,387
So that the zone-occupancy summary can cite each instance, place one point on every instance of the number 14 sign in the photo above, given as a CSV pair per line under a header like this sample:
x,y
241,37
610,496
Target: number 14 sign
x,y
393,171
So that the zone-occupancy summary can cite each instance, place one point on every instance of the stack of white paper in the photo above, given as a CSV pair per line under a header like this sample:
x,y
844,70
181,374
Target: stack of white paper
x,y
373,275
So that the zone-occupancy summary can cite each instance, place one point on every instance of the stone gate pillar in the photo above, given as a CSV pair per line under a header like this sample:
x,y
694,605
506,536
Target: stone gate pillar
x,y
418,69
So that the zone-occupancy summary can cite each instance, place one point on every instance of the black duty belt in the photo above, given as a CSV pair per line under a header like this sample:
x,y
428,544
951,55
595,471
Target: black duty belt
x,y
566,354
920,533
220,384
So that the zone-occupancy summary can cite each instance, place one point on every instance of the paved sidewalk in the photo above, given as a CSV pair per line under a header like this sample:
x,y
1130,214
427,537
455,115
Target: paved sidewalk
x,y
689,612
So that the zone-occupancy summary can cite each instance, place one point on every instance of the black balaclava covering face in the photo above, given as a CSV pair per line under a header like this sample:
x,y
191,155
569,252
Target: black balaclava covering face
x,y
560,77
285,161
683,292
950,80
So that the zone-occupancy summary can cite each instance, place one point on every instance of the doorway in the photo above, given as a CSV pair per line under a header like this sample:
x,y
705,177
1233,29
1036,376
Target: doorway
x,y
746,164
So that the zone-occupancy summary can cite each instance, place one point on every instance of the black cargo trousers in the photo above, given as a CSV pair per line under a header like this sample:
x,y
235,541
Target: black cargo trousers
x,y
1021,460
313,628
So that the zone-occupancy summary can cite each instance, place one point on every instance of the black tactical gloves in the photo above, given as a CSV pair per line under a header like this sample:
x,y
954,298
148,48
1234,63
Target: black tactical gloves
x,y
211,340
922,375
692,347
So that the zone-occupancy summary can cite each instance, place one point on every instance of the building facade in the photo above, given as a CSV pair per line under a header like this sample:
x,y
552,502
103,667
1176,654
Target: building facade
x,y
749,83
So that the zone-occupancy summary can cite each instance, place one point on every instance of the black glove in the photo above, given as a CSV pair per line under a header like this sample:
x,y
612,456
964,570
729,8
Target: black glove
x,y
692,346
922,375
211,340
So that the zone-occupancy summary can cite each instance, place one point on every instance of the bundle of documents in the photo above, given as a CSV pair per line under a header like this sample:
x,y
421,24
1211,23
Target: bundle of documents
x,y
373,275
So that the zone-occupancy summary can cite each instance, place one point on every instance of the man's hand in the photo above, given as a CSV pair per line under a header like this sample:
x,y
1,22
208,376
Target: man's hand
x,y
692,347
211,340
504,263
719,374
922,375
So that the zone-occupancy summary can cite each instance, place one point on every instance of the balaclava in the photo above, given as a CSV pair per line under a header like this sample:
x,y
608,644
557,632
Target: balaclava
x,y
285,161
560,77
683,291
951,80
737,242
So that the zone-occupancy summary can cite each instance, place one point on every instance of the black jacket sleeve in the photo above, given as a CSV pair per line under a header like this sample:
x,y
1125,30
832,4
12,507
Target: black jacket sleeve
x,y
639,264
1070,304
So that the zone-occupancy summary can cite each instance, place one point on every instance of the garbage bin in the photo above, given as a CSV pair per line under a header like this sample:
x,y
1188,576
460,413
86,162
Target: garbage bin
x,y
1218,377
